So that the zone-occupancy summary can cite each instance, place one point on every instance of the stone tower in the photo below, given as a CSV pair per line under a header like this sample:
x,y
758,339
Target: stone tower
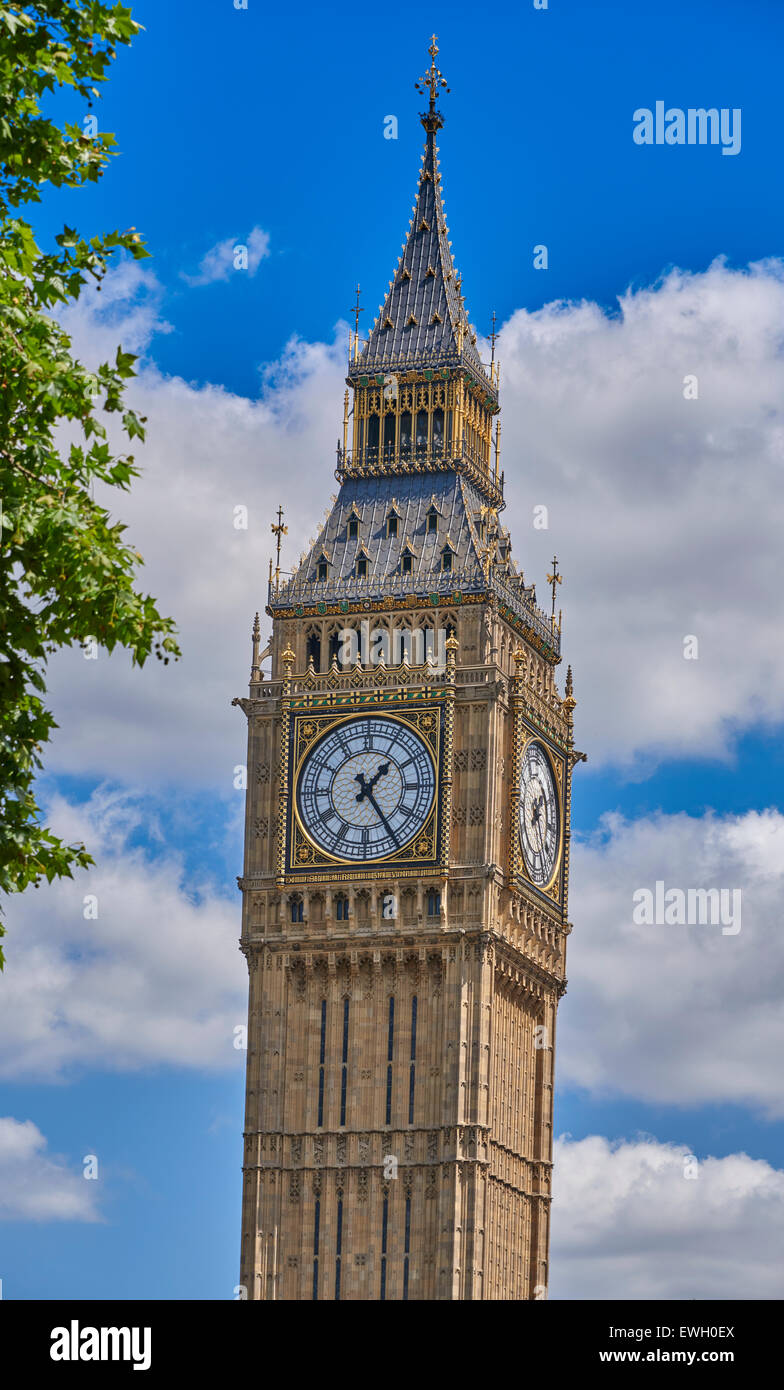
x,y
406,843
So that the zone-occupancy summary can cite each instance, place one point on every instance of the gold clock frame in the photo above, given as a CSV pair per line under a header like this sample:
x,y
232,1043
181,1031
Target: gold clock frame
x,y
556,770
431,718
304,745
525,732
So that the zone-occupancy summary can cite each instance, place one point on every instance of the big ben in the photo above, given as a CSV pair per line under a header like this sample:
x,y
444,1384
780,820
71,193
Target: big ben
x,y
406,841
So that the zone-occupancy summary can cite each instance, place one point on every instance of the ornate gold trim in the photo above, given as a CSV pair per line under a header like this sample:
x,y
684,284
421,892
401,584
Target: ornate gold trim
x,y
304,728
522,736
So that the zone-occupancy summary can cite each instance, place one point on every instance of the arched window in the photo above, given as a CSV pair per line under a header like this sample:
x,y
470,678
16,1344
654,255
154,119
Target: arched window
x,y
405,434
372,435
433,903
313,649
421,429
341,907
438,431
296,907
335,645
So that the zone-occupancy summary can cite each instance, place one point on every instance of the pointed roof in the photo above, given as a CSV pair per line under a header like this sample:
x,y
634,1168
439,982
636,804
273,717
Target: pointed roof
x,y
423,321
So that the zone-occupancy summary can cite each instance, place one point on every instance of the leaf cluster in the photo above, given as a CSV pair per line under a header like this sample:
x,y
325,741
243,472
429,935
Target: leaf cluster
x,y
67,574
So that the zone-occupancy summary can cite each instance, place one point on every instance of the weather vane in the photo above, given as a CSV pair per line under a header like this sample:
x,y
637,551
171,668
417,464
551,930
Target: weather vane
x,y
433,78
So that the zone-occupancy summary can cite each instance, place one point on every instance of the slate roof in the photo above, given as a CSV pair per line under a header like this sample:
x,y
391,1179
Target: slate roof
x,y
433,300
460,507
422,324
456,501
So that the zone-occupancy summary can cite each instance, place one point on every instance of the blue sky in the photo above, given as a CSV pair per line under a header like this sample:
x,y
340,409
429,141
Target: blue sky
x,y
272,119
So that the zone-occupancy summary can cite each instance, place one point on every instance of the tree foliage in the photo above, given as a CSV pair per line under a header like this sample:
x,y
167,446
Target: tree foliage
x,y
66,572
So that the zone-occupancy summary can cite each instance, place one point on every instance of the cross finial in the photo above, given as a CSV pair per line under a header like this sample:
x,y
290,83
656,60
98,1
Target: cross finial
x,y
278,531
553,579
433,78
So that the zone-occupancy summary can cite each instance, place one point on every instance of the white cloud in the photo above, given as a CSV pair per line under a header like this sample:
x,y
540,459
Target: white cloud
x,y
677,1015
628,1223
36,1186
666,515
225,257
155,979
208,451
124,312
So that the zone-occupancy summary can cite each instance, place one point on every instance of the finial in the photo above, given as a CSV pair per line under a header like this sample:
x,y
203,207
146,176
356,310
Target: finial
x,y
255,637
432,80
553,579
497,450
356,311
493,341
278,531
288,658
518,656
569,701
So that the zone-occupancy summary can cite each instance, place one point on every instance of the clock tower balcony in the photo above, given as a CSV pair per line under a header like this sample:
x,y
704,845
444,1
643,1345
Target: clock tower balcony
x,y
378,461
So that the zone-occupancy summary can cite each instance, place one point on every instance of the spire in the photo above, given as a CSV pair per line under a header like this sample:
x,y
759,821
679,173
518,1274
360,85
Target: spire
x,y
423,321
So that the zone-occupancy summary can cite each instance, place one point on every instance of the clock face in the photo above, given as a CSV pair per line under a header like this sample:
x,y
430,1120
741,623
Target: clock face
x,y
366,789
539,817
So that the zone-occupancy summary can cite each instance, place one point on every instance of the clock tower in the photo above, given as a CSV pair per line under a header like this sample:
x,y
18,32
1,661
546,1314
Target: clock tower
x,y
406,842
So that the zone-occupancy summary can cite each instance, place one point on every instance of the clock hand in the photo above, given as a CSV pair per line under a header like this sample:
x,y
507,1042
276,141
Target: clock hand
x,y
363,788
382,770
535,822
366,790
367,787
382,818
